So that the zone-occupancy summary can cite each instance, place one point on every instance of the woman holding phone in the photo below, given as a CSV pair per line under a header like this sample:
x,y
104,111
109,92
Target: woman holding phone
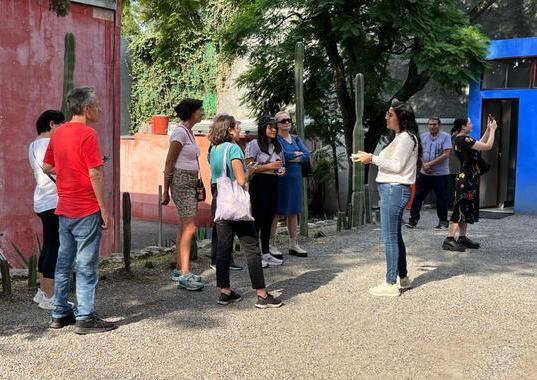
x,y
266,157
466,206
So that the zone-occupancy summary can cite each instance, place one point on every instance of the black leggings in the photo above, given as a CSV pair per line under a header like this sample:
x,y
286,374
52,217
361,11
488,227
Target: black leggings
x,y
264,199
51,243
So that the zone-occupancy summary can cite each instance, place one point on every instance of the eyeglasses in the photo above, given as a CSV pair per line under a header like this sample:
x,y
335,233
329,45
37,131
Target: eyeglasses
x,y
272,126
285,121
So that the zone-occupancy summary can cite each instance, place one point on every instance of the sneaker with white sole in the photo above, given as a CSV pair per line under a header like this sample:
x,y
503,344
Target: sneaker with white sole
x,y
385,290
274,251
405,283
264,264
46,303
38,298
188,282
271,260
268,302
176,275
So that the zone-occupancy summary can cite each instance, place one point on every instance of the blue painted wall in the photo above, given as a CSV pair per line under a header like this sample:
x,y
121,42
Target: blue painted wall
x,y
526,170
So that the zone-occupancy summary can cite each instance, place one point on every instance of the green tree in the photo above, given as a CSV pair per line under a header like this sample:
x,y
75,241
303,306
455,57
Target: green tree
x,y
345,37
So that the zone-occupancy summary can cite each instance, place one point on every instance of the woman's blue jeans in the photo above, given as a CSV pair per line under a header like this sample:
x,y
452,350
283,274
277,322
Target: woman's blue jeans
x,y
393,200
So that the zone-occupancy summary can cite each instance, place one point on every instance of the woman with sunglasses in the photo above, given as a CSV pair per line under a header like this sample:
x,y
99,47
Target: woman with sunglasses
x,y
397,167
265,156
289,185
226,153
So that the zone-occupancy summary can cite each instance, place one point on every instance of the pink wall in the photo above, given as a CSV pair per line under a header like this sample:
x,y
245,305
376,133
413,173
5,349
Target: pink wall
x,y
31,78
142,165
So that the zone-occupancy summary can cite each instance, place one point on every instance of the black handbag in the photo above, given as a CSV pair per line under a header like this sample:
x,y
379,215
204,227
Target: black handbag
x,y
482,165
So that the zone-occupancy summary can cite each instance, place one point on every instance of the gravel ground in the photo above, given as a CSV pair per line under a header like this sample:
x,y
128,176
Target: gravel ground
x,y
469,315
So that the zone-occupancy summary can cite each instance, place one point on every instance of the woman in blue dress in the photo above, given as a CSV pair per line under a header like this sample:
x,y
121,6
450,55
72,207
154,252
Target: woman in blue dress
x,y
289,185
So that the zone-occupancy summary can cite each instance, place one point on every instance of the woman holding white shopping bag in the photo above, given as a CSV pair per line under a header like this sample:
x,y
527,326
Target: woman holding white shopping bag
x,y
233,213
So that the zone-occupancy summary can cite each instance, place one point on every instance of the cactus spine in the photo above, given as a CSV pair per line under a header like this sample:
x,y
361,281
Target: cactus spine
x,y
68,71
299,102
358,176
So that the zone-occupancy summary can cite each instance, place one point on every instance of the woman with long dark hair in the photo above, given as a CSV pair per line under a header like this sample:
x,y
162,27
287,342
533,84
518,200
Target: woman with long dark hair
x,y
266,157
227,159
397,167
466,204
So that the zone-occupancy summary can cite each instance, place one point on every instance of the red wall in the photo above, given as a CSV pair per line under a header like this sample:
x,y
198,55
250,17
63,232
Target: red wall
x,y
31,81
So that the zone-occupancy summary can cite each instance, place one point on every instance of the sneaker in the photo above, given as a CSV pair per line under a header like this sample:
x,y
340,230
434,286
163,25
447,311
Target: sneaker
x,y
405,283
46,303
93,325
213,266
296,250
58,323
176,275
38,298
268,302
235,266
189,282
271,260
467,243
385,290
452,245
411,223
264,264
442,224
226,299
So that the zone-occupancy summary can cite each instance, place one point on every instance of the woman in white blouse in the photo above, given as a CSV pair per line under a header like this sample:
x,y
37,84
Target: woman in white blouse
x,y
397,167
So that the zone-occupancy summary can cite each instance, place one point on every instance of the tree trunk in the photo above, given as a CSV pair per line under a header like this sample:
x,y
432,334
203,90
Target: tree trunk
x,y
336,172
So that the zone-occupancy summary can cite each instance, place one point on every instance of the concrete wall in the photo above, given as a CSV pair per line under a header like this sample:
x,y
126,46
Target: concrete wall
x,y
31,81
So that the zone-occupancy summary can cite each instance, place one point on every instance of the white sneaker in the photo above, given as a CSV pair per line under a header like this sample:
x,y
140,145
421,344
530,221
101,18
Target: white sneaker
x,y
273,249
271,260
405,283
38,298
264,264
46,303
296,250
385,290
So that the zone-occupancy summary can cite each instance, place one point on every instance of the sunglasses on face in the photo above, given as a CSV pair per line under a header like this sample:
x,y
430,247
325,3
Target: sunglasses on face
x,y
285,121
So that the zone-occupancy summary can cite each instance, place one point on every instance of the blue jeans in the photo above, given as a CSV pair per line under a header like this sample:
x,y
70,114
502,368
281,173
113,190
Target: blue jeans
x,y
79,244
393,200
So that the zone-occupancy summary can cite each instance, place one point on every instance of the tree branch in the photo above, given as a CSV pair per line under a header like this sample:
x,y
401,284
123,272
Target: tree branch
x,y
479,8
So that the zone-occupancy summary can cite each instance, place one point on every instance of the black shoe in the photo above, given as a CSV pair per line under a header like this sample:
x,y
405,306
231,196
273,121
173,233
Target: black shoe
x,y
452,245
465,242
226,299
411,223
292,252
58,323
93,325
279,257
268,302
442,224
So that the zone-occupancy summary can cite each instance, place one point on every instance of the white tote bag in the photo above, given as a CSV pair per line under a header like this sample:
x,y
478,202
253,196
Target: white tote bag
x,y
232,201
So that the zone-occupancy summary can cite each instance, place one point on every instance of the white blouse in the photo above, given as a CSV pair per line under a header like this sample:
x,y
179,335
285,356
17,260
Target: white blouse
x,y
397,162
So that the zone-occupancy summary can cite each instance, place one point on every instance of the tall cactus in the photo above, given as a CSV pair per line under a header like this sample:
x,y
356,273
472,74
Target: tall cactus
x,y
299,102
358,176
68,71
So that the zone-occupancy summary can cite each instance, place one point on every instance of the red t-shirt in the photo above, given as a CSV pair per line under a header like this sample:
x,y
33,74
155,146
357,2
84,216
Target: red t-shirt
x,y
73,150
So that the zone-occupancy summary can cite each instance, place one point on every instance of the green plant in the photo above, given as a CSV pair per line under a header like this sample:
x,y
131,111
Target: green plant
x,y
61,7
68,71
358,176
31,262
6,276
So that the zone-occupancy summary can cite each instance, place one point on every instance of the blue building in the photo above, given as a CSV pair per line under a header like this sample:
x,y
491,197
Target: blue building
x,y
508,90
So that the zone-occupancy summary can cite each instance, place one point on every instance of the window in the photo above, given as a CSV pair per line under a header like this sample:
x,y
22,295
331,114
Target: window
x,y
509,73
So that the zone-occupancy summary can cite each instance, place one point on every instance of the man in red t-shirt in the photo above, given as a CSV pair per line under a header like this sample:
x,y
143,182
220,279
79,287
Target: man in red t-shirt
x,y
74,155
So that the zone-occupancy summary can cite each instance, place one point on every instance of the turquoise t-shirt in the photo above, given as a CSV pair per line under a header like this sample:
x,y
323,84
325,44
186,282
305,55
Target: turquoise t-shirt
x,y
216,156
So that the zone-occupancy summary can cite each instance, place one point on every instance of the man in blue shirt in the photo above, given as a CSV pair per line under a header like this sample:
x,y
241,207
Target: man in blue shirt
x,y
434,174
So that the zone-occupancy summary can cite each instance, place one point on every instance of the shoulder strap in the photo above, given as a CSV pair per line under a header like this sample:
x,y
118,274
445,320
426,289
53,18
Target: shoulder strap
x,y
224,160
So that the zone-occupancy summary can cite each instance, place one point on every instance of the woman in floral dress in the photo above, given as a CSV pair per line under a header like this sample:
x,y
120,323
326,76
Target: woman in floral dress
x,y
466,205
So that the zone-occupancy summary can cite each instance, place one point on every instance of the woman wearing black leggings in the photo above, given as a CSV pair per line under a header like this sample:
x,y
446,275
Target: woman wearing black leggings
x,y
265,154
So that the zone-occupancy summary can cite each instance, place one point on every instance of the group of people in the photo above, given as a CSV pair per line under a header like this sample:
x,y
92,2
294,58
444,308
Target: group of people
x,y
270,168
69,197
410,158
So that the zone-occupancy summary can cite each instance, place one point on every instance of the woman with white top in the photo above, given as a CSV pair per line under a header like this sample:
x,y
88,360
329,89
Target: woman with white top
x,y
397,166
181,175
265,154
45,201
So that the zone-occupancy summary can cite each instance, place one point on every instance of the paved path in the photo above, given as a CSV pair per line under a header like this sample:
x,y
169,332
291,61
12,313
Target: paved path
x,y
470,315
